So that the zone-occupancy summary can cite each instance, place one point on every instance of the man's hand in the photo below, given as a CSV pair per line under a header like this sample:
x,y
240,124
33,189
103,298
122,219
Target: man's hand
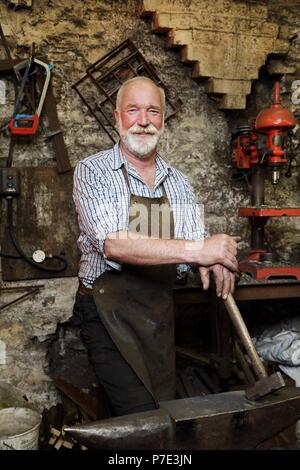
x,y
220,249
224,279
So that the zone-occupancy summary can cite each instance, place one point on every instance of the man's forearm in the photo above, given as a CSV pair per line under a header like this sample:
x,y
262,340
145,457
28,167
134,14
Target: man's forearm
x,y
125,247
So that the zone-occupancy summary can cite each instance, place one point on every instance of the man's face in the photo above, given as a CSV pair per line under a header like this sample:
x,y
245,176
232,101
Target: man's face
x,y
140,118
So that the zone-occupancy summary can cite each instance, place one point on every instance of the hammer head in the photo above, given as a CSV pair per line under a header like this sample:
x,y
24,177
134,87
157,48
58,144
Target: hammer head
x,y
264,386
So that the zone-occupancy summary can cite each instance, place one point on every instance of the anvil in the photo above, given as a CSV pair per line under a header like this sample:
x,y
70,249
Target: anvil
x,y
223,421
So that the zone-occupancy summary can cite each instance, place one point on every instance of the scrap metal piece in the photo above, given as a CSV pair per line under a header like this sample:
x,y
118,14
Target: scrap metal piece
x,y
31,290
87,402
224,421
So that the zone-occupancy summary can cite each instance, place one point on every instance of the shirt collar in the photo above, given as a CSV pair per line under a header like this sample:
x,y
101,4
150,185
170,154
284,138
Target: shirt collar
x,y
119,160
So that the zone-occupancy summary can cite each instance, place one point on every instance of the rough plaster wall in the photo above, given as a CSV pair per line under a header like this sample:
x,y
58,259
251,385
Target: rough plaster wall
x,y
196,141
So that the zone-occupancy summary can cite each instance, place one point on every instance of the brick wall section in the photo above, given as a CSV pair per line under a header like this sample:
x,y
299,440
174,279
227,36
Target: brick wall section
x,y
227,42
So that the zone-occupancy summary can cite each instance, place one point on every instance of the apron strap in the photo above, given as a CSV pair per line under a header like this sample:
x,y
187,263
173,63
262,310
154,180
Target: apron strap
x,y
125,174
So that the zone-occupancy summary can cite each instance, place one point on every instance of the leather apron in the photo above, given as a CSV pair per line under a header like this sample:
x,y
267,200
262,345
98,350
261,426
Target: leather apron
x,y
136,303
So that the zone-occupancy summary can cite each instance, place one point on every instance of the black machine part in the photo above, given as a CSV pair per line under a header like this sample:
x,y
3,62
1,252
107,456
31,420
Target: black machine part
x,y
9,182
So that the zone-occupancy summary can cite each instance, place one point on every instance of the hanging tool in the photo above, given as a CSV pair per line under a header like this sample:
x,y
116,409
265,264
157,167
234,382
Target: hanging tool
x,y
27,124
31,290
266,383
10,65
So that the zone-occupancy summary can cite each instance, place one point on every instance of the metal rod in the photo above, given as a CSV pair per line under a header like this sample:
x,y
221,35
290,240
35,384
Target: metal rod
x,y
126,44
258,232
258,187
22,297
192,355
94,114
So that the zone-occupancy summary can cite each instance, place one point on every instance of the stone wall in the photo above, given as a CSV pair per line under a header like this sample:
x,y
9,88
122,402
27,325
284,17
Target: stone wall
x,y
73,35
227,42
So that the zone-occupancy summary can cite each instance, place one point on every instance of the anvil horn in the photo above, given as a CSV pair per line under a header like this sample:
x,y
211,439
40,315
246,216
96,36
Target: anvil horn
x,y
150,429
212,422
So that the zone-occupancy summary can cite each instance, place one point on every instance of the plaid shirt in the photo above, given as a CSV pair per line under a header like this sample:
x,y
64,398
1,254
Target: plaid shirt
x,y
102,199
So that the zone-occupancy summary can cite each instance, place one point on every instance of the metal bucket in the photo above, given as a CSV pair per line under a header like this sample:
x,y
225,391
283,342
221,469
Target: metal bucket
x,y
19,429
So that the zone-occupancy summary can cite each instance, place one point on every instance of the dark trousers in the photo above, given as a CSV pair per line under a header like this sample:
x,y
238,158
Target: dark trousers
x,y
124,389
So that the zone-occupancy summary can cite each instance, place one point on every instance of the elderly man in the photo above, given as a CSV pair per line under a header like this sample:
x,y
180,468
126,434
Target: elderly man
x,y
138,221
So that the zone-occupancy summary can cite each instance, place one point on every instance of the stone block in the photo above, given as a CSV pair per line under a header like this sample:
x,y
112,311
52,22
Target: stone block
x,y
162,22
179,37
231,87
12,334
280,46
216,7
148,7
256,27
7,30
233,102
226,40
258,11
214,23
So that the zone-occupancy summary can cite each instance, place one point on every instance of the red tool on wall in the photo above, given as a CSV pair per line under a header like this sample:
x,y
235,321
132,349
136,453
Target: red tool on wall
x,y
26,124
261,146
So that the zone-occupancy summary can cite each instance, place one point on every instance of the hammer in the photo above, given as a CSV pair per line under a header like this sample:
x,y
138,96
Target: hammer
x,y
266,383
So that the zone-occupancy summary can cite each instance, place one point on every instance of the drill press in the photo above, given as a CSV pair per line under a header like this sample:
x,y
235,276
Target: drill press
x,y
256,148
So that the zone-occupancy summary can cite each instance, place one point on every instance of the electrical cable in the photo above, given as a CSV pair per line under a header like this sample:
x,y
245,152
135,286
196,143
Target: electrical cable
x,y
5,255
21,252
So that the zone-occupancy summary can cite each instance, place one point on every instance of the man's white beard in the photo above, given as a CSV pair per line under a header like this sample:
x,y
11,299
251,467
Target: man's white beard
x,y
140,146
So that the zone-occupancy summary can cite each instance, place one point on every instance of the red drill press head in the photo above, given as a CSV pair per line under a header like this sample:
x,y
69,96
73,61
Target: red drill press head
x,y
264,140
274,123
275,117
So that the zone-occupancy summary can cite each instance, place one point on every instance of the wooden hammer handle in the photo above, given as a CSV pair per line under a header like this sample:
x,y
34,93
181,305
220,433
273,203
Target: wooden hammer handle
x,y
244,336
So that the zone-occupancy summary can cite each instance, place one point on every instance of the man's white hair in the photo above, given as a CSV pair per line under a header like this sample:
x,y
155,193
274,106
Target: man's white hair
x,y
136,79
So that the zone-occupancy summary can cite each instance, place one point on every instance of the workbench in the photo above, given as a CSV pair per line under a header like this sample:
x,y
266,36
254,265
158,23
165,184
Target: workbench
x,y
246,290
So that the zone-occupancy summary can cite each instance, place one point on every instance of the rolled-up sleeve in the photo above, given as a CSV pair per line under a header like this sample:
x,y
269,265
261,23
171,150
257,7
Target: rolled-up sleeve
x,y
99,213
192,217
193,224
